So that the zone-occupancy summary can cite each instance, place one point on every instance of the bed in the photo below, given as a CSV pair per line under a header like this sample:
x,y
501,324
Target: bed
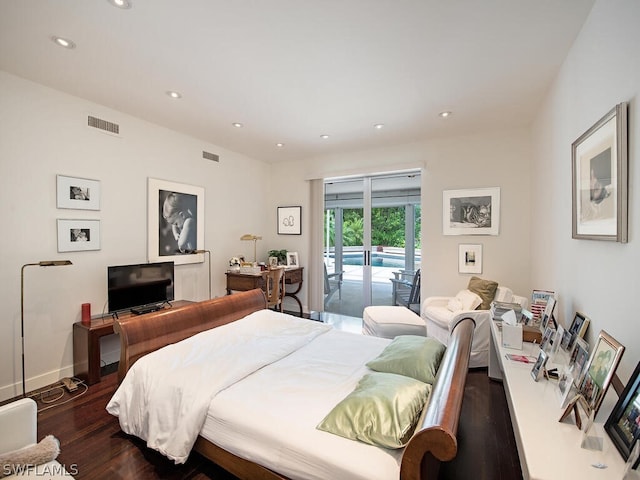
x,y
259,421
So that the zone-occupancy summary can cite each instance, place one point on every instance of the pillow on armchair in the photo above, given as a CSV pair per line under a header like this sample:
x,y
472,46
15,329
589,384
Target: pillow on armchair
x,y
464,300
486,289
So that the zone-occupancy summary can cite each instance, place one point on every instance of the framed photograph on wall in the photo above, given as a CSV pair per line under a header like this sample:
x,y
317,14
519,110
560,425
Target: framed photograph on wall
x,y
289,221
175,215
470,258
78,235
77,193
623,425
599,163
599,370
471,212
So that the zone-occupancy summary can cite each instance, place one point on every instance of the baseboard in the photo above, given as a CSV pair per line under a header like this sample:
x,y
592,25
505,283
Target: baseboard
x,y
15,390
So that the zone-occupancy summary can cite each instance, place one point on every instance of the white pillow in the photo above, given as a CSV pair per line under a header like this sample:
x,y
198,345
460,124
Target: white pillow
x,y
454,305
468,299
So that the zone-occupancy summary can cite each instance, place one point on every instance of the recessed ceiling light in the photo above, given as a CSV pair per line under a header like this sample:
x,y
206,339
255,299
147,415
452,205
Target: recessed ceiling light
x,y
279,145
173,94
64,42
378,126
237,124
445,114
324,137
120,3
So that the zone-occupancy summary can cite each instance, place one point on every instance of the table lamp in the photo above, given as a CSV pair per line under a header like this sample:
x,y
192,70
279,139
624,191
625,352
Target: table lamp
x,y
255,238
43,263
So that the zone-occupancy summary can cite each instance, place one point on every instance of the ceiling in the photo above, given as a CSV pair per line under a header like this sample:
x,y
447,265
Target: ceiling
x,y
293,70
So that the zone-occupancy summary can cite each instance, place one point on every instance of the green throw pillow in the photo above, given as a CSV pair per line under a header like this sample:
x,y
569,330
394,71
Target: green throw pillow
x,y
486,289
412,356
383,410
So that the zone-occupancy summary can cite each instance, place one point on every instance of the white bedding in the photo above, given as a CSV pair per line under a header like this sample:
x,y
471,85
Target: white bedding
x,y
270,417
165,396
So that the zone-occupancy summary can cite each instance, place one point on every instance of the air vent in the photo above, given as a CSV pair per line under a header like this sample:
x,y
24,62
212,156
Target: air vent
x,y
210,156
108,127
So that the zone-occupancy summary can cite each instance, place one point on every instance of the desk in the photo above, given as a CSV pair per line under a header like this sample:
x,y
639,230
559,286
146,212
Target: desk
x,y
548,449
241,282
86,344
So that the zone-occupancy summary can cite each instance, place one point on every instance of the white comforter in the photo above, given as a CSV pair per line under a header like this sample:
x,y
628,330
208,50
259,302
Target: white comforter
x,y
165,396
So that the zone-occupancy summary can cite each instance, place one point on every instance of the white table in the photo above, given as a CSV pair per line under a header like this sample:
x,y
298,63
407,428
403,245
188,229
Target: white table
x,y
549,449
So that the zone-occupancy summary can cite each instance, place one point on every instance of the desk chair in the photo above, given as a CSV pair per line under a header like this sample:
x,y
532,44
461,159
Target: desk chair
x,y
274,287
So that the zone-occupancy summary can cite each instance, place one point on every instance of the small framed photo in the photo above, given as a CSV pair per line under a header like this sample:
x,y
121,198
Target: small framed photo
x,y
292,259
578,359
565,386
273,262
623,425
577,329
78,235
470,258
289,221
538,368
77,193
471,212
547,337
599,370
547,314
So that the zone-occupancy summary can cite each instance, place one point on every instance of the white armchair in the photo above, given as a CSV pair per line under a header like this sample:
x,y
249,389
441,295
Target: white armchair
x,y
19,448
442,313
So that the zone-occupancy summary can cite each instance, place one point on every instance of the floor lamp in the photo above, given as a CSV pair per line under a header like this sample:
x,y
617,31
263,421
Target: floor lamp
x,y
209,261
44,263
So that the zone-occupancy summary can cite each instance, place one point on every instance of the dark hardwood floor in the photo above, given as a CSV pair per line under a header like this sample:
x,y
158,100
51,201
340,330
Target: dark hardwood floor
x,y
94,447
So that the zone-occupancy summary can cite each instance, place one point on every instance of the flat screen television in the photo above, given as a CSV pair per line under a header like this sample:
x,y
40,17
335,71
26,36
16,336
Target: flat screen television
x,y
139,287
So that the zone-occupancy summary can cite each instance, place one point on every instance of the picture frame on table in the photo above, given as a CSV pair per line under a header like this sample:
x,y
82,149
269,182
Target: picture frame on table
x,y
77,193
565,386
538,368
623,424
547,336
290,220
547,314
577,329
599,371
578,360
175,216
471,211
292,259
273,262
599,165
78,235
470,258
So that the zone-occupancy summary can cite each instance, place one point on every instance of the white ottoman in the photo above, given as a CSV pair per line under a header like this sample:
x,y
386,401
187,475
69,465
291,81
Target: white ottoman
x,y
388,321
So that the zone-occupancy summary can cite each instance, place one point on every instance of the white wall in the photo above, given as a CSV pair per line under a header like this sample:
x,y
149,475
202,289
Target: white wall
x,y
496,159
43,133
595,277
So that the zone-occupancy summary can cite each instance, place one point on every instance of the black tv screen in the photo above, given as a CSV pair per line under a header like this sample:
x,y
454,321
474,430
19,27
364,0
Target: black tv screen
x,y
131,286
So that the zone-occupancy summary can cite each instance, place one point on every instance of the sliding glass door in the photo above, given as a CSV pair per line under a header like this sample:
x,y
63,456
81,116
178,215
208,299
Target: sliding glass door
x,y
372,231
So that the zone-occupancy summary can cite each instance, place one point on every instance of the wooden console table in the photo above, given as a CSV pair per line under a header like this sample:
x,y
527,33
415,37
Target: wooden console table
x,y
241,282
548,449
86,344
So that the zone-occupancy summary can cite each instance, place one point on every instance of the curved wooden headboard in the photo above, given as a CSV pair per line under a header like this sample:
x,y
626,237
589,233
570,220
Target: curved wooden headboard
x,y
146,333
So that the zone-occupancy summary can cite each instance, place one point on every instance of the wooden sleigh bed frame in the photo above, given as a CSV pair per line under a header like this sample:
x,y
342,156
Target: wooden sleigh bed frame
x,y
434,440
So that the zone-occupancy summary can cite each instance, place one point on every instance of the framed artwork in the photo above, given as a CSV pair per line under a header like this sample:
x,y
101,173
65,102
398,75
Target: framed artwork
x,y
273,262
292,259
538,367
599,162
471,212
469,258
78,193
175,218
78,235
599,371
289,221
623,425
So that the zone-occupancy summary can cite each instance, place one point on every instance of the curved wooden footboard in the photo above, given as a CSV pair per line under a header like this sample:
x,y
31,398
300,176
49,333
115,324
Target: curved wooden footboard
x,y
433,442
